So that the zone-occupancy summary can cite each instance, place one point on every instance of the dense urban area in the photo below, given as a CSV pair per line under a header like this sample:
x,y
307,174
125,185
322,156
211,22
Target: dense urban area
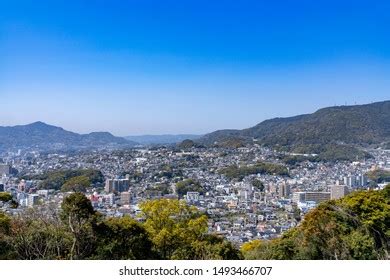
x,y
249,193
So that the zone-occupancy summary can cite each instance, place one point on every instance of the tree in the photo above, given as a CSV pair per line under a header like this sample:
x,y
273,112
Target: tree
x,y
5,197
122,239
179,231
40,235
6,249
188,185
76,184
172,224
258,185
78,215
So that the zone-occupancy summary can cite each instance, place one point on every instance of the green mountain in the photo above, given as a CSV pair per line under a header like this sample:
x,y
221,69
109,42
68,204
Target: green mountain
x,y
46,137
333,128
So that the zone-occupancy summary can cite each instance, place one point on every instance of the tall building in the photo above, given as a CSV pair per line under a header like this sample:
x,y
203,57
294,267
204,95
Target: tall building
x,y
117,185
285,191
337,192
125,198
1,187
5,169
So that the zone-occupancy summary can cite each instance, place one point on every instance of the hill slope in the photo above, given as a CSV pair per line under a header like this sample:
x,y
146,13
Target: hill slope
x,y
42,136
344,125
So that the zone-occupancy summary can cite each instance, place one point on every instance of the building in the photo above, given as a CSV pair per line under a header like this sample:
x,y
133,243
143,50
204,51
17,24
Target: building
x,y
299,197
117,185
317,197
192,196
32,200
109,199
5,169
285,191
337,192
125,198
361,180
1,187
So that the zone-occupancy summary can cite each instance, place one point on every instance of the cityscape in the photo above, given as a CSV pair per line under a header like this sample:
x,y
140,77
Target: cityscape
x,y
194,131
260,206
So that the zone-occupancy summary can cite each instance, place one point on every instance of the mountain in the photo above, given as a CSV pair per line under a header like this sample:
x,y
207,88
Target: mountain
x,y
42,136
341,126
162,139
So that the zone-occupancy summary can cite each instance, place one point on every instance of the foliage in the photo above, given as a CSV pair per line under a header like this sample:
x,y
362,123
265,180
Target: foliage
x,y
186,144
161,189
179,231
122,239
5,197
296,159
188,185
355,227
240,172
76,184
379,175
78,215
258,185
56,179
331,132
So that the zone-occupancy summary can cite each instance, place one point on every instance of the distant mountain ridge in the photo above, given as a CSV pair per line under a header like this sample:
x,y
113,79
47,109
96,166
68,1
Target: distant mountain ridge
x,y
41,136
342,125
162,139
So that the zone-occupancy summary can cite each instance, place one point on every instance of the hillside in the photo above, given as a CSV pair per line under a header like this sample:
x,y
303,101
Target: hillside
x,y
42,136
343,126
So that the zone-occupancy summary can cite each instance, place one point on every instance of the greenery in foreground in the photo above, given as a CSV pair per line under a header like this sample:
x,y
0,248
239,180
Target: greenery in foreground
x,y
355,227
170,230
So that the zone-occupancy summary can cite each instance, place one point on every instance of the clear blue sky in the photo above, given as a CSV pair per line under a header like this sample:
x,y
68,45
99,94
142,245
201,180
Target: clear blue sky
x,y
137,67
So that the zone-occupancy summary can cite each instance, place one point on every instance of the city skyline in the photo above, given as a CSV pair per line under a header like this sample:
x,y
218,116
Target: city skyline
x,y
146,68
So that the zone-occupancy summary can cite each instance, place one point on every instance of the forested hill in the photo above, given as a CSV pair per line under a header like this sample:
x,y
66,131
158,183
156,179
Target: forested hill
x,y
343,125
42,136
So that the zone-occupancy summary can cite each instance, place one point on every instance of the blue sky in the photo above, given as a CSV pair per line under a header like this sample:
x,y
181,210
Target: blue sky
x,y
152,67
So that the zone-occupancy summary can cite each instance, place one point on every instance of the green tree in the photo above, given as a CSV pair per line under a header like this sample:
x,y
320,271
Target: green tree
x,y
172,224
76,184
78,215
5,197
122,239
188,185
6,249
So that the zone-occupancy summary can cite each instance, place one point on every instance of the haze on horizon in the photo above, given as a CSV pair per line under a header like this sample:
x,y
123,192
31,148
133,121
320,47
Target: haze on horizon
x,y
147,67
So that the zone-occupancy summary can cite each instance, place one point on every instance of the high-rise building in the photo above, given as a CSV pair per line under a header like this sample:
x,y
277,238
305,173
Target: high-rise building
x,y
117,185
337,192
125,198
1,187
285,191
